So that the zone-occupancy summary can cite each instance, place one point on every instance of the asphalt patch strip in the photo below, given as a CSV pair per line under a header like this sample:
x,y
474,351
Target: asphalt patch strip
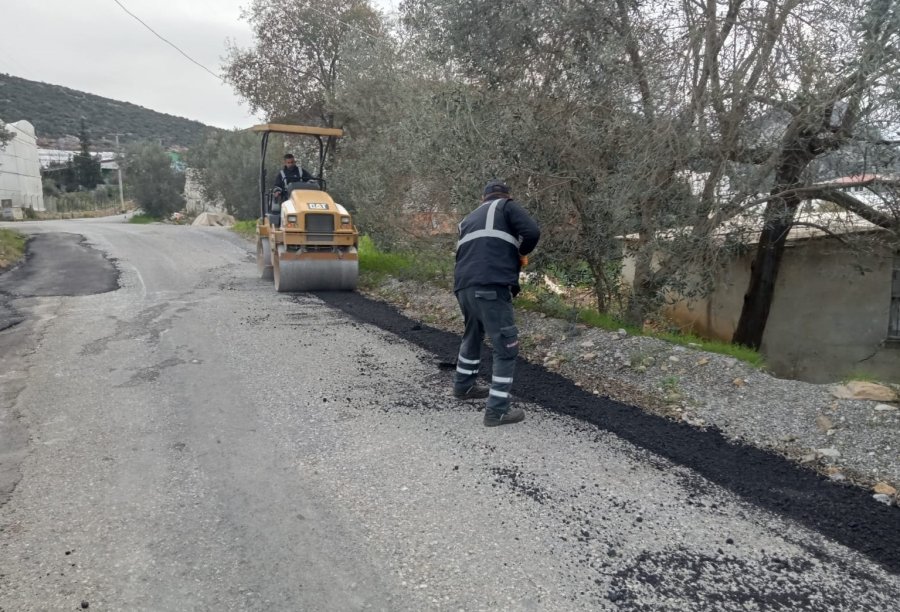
x,y
843,513
58,264
55,264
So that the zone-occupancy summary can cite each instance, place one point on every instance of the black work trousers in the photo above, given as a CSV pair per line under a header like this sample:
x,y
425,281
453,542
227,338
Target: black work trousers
x,y
488,310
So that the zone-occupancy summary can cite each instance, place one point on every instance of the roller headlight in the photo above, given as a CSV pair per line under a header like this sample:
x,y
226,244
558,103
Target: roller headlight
x,y
292,218
345,220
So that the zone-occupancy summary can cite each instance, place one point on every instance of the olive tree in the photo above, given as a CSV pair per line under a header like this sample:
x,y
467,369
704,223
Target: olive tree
x,y
151,180
227,167
5,136
661,118
294,66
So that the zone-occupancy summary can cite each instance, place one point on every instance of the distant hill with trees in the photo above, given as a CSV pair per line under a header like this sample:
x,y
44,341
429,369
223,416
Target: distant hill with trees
x,y
56,113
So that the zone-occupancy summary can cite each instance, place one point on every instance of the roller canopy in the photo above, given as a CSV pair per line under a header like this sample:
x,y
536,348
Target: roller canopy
x,y
305,130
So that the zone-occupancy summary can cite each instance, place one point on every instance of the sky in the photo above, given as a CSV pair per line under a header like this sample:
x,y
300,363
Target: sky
x,y
95,46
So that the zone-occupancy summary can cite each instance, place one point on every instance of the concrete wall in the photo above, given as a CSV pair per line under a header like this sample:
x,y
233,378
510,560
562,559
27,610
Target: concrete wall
x,y
20,170
829,319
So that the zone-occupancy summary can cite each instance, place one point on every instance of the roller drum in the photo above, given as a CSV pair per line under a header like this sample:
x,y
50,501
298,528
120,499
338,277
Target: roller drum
x,y
315,274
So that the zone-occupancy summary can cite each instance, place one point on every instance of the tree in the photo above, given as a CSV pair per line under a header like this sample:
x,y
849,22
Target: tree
x,y
151,180
293,70
227,167
5,136
85,168
824,116
545,97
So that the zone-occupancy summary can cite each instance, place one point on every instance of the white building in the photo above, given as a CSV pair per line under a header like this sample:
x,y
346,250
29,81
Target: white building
x,y
20,170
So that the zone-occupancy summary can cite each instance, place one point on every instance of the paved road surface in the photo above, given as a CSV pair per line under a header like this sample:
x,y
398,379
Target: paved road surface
x,y
195,441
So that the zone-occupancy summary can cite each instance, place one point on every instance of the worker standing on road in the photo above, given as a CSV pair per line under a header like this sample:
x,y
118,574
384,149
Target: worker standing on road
x,y
493,240
290,173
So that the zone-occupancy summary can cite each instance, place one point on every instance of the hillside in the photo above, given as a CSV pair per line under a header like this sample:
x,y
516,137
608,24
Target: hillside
x,y
56,112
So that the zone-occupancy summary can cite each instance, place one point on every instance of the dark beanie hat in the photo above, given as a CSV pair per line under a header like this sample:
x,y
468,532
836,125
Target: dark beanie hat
x,y
495,187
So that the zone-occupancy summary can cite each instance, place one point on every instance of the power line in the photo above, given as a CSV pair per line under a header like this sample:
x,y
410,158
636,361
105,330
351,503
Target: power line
x,y
168,42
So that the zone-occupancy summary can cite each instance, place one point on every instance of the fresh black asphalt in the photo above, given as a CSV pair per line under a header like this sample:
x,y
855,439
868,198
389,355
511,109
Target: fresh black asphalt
x,y
844,513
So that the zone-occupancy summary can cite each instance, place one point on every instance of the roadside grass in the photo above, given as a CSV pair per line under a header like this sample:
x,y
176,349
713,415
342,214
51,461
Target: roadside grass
x,y
12,247
739,352
860,376
245,228
537,299
375,265
143,219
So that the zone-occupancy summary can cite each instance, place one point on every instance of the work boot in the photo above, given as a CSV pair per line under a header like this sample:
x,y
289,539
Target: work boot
x,y
513,415
474,392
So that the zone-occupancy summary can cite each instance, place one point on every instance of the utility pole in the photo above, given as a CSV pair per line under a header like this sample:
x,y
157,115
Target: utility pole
x,y
119,168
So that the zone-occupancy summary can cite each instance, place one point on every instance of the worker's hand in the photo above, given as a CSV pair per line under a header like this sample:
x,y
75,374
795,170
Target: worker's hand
x,y
523,261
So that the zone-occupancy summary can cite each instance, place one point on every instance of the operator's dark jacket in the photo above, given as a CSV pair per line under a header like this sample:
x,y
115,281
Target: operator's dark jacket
x,y
294,174
490,255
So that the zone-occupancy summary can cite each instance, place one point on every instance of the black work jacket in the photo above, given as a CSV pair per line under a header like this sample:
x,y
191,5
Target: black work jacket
x,y
491,239
294,174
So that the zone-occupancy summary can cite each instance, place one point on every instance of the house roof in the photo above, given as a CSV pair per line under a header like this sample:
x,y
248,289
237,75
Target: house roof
x,y
853,178
807,225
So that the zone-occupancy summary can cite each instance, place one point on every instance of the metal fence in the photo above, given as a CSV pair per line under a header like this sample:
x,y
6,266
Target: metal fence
x,y
79,202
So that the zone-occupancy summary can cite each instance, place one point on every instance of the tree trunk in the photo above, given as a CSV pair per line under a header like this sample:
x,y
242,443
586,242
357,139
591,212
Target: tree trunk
x,y
601,285
763,274
778,219
645,288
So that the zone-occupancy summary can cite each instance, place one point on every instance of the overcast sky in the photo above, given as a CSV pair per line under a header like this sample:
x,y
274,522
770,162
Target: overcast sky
x,y
94,46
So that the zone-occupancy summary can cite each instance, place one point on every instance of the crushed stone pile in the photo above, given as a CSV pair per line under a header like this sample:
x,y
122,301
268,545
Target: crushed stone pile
x,y
211,219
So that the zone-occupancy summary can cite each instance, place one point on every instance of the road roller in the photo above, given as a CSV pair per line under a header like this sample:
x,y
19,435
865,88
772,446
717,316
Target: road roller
x,y
305,241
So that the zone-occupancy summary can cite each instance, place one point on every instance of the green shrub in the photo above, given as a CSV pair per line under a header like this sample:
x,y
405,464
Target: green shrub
x,y
143,219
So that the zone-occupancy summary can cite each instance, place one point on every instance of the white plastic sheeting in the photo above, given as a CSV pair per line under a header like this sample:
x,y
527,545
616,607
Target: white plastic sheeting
x,y
20,170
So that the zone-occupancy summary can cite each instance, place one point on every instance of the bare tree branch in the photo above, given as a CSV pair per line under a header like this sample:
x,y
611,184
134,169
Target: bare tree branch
x,y
858,207
822,229
784,105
